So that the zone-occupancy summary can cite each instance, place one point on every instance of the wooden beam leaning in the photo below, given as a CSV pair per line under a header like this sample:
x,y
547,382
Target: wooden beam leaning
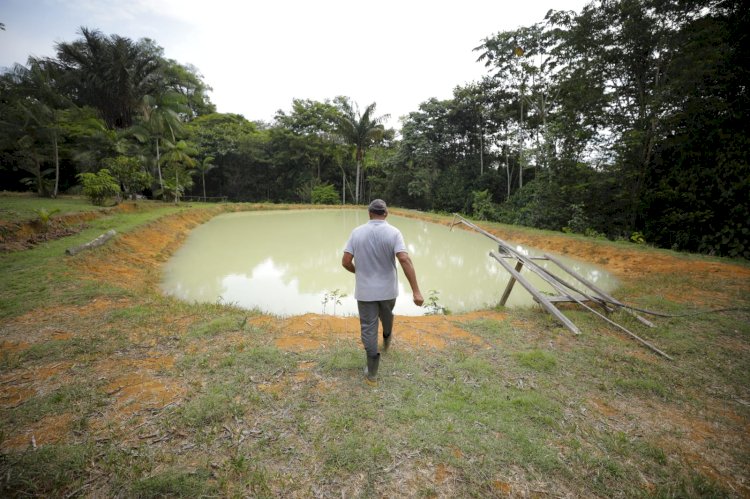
x,y
511,252
598,291
539,297
557,284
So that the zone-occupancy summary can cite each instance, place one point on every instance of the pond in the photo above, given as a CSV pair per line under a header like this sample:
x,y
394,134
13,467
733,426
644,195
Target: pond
x,y
289,263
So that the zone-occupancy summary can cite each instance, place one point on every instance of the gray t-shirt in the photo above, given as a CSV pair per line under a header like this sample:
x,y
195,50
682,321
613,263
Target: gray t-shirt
x,y
374,246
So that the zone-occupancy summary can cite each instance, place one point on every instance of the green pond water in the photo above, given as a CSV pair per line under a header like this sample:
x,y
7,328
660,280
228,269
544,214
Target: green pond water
x,y
289,262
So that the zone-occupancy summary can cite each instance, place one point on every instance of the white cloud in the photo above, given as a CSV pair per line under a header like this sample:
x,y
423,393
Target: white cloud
x,y
258,56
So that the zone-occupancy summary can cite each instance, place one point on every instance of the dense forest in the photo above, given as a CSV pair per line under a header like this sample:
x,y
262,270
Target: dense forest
x,y
625,120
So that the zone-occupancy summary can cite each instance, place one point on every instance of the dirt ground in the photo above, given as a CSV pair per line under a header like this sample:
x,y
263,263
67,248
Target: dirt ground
x,y
134,260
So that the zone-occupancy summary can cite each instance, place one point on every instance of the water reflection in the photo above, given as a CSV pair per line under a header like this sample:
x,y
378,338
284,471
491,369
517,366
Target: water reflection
x,y
288,262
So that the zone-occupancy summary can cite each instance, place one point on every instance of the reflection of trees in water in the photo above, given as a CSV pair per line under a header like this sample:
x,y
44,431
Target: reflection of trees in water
x,y
302,251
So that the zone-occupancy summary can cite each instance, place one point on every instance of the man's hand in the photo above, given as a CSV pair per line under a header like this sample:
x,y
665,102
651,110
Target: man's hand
x,y
418,300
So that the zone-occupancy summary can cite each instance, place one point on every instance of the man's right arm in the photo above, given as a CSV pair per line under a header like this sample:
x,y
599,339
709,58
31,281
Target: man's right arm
x,y
348,262
411,276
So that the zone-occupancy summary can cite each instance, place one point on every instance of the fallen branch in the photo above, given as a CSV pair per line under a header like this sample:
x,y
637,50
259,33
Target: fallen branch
x,y
92,244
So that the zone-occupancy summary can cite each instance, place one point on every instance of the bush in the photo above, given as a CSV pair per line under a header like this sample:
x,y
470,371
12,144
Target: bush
x,y
129,172
578,222
99,187
325,194
482,207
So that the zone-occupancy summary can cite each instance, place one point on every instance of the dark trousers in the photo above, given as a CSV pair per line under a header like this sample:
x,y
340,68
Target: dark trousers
x,y
369,313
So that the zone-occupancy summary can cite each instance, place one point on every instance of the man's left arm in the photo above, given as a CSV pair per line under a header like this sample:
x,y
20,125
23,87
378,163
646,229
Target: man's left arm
x,y
411,276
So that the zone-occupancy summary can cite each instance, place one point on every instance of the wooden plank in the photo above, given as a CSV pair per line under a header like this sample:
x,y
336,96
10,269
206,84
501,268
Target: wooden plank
x,y
550,279
598,291
567,299
510,285
511,257
539,297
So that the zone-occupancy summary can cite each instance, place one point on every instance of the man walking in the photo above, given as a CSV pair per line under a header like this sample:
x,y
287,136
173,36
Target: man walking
x,y
375,247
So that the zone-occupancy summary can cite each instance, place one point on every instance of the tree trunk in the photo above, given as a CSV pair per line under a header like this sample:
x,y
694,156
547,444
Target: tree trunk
x,y
92,244
203,177
507,169
481,152
57,166
38,173
158,168
520,146
356,182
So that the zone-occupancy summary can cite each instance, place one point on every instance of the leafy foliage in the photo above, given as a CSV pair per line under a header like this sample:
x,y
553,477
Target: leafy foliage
x,y
325,194
100,186
129,173
482,207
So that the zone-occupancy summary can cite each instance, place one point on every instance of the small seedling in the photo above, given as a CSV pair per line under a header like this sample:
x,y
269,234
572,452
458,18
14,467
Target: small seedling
x,y
45,216
432,305
334,297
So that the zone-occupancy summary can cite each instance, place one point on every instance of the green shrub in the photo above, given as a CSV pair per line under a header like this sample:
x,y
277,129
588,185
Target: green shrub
x,y
130,174
578,222
637,238
325,194
99,187
482,206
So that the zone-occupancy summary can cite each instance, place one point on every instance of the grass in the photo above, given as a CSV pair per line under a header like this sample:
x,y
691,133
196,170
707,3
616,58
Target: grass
x,y
52,471
217,408
22,207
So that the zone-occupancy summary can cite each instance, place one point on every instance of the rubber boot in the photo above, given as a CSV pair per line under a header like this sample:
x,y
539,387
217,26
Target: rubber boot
x,y
387,342
371,371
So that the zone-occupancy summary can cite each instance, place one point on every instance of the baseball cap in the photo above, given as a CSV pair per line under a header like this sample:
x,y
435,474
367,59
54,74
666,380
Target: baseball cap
x,y
377,206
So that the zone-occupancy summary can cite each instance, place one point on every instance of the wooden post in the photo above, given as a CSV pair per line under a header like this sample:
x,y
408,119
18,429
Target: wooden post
x,y
539,297
509,287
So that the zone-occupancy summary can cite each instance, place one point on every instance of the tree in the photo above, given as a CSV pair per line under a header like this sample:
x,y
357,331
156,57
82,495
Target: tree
x,y
204,167
523,67
359,130
179,158
186,81
110,73
38,111
159,122
223,136
698,190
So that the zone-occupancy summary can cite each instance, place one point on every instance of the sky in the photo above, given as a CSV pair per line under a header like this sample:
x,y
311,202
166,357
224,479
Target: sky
x,y
260,55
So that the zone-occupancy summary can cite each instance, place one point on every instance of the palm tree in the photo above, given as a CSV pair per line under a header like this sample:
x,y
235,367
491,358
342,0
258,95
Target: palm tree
x,y
159,121
204,167
360,131
110,74
179,157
